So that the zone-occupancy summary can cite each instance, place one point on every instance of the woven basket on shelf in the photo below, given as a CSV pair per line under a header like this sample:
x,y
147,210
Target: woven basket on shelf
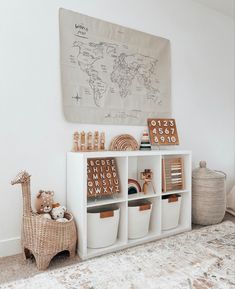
x,y
208,196
43,238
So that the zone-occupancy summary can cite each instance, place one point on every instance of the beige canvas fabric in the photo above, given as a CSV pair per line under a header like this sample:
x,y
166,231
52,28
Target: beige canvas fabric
x,y
112,74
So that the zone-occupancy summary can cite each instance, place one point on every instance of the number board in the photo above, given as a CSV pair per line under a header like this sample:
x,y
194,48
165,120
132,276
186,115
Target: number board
x,y
102,177
162,131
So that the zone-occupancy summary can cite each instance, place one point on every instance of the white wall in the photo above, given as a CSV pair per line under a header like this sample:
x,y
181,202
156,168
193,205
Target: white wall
x,y
34,134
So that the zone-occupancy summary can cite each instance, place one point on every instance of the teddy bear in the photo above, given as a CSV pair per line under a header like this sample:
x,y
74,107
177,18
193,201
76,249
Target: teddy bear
x,y
43,203
57,213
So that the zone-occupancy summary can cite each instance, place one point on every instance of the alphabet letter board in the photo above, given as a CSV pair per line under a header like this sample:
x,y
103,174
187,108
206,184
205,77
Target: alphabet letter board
x,y
162,131
102,177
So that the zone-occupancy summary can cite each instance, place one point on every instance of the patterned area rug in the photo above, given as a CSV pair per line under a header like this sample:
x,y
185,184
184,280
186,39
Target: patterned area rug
x,y
200,259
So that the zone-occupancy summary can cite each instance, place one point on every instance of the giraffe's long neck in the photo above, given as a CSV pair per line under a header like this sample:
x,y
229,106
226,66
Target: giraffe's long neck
x,y
27,210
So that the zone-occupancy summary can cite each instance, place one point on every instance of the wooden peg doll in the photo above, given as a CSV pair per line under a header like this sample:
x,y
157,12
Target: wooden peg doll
x,y
75,142
102,141
96,141
89,141
83,141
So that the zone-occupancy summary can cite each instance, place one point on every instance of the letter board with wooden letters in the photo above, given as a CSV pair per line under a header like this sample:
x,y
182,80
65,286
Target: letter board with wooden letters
x,y
102,177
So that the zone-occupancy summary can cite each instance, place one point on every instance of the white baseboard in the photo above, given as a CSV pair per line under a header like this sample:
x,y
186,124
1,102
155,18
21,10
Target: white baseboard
x,y
10,247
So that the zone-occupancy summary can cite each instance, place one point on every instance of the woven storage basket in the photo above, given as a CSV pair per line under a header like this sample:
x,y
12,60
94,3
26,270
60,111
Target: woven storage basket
x,y
208,198
41,237
45,238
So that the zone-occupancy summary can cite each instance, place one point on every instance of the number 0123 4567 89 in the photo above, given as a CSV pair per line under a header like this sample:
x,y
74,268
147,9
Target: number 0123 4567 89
x,y
163,131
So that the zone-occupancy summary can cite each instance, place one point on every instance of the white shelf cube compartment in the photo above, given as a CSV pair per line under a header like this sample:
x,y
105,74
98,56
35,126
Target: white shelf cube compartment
x,y
154,231
176,215
102,226
106,223
107,228
170,211
187,160
139,214
121,163
137,164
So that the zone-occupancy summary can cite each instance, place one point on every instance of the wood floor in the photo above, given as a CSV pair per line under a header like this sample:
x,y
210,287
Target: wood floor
x,y
15,268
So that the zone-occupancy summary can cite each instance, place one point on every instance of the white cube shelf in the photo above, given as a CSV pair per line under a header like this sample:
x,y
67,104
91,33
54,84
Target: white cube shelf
x,y
130,164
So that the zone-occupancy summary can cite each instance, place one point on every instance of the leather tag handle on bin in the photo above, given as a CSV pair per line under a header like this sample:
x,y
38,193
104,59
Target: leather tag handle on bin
x,y
173,199
144,207
106,214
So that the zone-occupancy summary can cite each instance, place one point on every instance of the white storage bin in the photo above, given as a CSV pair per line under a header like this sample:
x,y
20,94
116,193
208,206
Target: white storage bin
x,y
170,211
102,227
138,219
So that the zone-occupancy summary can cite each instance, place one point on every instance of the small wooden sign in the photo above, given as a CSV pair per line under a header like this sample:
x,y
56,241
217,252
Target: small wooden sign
x,y
102,177
163,131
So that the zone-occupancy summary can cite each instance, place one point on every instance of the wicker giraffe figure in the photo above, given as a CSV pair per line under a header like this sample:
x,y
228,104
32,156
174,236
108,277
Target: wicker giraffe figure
x,y
40,237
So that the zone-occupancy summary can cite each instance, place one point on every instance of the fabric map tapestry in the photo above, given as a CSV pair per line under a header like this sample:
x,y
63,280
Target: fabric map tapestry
x,y
111,74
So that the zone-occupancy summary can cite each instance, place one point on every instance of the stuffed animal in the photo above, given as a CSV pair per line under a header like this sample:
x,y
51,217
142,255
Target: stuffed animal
x,y
43,203
57,213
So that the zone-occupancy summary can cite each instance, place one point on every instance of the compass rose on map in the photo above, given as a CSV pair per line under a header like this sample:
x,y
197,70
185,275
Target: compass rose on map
x,y
77,98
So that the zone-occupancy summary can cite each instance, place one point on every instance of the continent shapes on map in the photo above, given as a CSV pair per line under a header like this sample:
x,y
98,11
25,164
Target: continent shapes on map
x,y
129,67
94,58
88,55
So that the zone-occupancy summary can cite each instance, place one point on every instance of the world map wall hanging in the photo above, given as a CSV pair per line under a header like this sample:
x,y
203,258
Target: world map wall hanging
x,y
111,74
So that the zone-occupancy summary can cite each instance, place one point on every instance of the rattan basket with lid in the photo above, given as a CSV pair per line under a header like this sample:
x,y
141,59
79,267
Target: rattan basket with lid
x,y
208,195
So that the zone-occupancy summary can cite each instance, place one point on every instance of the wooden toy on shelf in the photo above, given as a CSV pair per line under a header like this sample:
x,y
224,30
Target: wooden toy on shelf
x,y
124,142
102,177
147,177
133,187
75,142
145,142
102,141
172,174
163,131
83,141
96,141
87,142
